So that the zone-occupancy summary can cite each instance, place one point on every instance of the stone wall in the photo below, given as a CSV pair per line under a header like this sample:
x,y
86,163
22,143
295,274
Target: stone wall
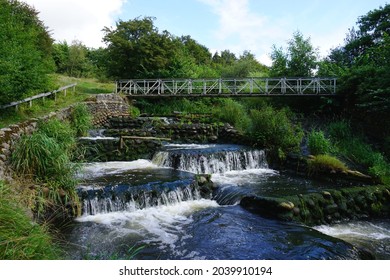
x,y
184,132
103,106
101,150
325,207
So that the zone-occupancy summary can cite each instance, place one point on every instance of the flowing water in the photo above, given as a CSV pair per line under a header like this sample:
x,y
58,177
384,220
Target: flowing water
x,y
156,205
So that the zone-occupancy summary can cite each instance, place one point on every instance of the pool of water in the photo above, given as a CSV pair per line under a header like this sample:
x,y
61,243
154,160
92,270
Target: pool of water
x,y
173,221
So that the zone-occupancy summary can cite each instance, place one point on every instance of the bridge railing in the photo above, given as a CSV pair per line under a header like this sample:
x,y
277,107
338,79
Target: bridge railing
x,y
227,87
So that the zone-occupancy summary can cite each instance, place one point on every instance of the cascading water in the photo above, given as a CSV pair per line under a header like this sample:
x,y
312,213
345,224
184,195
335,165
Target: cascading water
x,y
156,204
210,160
125,198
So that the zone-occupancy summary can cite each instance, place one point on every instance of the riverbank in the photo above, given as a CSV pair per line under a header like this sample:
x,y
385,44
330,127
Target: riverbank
x,y
111,116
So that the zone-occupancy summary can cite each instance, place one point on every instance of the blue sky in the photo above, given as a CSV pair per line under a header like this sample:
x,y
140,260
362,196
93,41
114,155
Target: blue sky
x,y
236,25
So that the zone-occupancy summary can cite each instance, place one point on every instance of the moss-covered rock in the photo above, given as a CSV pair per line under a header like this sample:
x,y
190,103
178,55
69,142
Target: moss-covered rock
x,y
325,207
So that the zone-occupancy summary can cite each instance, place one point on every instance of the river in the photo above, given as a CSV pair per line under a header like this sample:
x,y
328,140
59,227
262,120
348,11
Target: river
x,y
150,205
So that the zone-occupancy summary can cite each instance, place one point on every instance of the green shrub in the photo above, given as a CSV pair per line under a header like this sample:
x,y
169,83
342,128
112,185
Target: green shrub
x,y
318,143
274,129
134,112
233,113
325,163
81,119
20,238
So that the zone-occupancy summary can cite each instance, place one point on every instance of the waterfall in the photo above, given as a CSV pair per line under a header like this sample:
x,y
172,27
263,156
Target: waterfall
x,y
130,199
211,162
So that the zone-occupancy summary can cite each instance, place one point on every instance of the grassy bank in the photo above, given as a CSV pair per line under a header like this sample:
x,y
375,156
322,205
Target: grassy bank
x,y
84,89
20,238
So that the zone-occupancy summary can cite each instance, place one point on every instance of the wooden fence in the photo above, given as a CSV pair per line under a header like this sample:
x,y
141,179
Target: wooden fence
x,y
38,96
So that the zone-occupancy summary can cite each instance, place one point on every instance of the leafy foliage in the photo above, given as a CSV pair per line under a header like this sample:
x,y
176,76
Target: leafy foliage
x,y
363,65
274,129
318,143
234,113
25,52
300,59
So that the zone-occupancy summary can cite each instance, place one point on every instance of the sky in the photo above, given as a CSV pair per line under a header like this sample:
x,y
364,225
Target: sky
x,y
236,25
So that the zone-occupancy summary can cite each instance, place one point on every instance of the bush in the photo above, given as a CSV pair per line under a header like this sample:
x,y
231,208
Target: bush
x,y
134,112
325,163
273,129
318,143
20,238
233,113
80,119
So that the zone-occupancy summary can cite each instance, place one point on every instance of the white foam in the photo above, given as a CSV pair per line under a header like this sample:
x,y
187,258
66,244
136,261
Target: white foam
x,y
190,146
98,169
162,224
95,138
356,230
242,176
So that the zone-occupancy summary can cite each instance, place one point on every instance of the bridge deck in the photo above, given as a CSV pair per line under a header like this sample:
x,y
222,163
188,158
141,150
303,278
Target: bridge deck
x,y
243,87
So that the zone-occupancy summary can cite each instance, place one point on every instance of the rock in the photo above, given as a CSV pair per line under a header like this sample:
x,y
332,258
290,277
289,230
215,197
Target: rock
x,y
296,211
326,195
5,145
331,209
202,180
311,203
287,205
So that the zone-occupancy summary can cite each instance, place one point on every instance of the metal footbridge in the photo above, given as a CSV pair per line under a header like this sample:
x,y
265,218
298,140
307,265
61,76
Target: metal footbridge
x,y
229,87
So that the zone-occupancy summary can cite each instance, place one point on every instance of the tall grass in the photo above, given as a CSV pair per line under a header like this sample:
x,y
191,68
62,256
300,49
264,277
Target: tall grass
x,y
61,132
353,147
20,238
80,119
326,163
45,157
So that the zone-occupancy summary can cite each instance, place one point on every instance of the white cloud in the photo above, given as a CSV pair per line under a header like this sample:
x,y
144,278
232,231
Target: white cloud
x,y
81,20
241,29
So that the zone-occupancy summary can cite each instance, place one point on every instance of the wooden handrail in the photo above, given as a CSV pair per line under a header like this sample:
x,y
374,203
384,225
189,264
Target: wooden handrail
x,y
41,95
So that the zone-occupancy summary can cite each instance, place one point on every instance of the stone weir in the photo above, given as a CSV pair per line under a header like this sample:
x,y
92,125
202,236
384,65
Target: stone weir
x,y
178,129
124,138
326,207
119,148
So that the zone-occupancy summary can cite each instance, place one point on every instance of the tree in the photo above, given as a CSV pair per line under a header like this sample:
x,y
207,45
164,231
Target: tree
x,y
362,65
300,59
136,49
25,52
245,66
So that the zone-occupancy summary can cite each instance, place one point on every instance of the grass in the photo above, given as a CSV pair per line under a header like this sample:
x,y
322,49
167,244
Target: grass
x,y
20,238
353,147
85,85
84,89
45,157
81,120
325,163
